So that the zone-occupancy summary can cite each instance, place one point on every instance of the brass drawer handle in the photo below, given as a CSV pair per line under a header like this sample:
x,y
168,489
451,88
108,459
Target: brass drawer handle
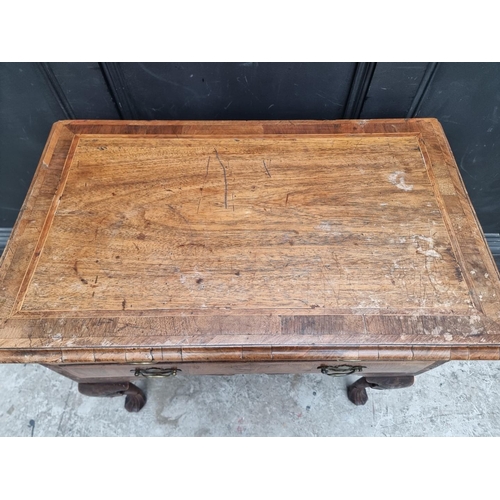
x,y
156,372
340,370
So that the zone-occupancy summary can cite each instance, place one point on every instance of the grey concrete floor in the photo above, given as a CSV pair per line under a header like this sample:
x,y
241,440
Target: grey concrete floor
x,y
455,399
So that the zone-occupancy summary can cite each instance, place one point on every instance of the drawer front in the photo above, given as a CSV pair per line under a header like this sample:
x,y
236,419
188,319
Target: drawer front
x,y
97,372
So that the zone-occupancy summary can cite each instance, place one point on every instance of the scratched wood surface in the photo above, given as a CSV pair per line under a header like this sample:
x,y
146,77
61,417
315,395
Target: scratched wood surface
x,y
355,236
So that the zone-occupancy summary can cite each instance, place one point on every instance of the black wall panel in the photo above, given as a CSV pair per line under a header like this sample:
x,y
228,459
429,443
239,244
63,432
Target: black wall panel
x,y
85,90
230,91
393,89
465,98
27,110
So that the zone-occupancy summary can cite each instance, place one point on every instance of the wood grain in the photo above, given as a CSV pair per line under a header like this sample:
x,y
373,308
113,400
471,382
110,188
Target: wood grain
x,y
204,224
229,241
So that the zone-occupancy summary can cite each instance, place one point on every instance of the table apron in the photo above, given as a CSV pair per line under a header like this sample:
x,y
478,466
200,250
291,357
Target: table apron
x,y
109,372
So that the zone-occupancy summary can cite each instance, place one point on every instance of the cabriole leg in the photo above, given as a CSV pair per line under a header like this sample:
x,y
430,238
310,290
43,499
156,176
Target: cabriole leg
x,y
134,401
357,392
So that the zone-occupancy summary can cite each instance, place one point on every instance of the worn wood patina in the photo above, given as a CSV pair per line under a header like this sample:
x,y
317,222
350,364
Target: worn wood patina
x,y
247,243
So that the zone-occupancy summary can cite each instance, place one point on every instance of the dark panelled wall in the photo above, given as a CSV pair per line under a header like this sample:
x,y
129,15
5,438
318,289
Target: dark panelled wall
x,y
465,97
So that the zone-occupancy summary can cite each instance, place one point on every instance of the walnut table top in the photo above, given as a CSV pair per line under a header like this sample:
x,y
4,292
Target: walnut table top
x,y
256,241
